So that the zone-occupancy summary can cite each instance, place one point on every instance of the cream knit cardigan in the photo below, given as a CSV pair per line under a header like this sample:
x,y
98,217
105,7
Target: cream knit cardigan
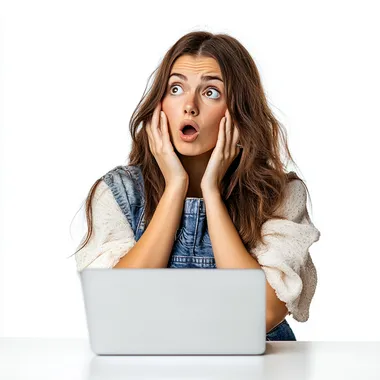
x,y
285,260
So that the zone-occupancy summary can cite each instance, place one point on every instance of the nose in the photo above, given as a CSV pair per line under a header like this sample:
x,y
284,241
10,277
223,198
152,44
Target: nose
x,y
191,108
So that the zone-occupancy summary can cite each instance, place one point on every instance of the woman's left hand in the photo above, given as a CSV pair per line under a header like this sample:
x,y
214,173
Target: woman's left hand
x,y
222,156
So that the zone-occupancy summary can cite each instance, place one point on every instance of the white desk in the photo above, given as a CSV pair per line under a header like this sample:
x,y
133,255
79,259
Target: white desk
x,y
72,359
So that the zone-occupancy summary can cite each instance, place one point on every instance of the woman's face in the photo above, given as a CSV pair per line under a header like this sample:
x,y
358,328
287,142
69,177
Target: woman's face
x,y
189,97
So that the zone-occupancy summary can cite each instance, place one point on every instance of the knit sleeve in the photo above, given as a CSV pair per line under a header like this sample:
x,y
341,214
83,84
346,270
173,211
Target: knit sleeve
x,y
112,236
285,259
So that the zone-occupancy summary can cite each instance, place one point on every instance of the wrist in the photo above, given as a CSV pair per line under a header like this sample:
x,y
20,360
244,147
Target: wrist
x,y
177,188
210,192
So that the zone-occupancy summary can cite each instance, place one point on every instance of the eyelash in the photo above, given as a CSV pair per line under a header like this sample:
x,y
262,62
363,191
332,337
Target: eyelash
x,y
211,88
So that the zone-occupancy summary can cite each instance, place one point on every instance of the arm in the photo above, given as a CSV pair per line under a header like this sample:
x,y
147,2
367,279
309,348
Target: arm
x,y
155,245
229,252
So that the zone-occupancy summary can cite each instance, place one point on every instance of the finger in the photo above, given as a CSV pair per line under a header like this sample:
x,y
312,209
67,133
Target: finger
x,y
154,125
221,135
234,132
228,133
149,130
149,134
165,129
235,138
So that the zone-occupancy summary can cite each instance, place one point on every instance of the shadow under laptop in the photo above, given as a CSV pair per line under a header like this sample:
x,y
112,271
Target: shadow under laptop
x,y
289,358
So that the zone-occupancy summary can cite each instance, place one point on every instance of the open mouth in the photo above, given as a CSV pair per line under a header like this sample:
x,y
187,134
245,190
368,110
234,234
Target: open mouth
x,y
188,130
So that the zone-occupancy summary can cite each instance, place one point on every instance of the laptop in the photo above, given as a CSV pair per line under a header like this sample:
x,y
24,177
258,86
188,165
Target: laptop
x,y
175,311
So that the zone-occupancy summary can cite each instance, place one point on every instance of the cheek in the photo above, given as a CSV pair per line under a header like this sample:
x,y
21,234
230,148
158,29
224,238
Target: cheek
x,y
217,113
223,112
212,135
217,118
167,107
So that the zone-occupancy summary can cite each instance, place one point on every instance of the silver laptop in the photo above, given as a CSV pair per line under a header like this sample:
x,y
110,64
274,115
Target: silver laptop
x,y
175,311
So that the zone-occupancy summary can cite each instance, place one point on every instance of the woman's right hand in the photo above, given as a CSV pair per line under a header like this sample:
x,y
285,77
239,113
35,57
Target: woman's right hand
x,y
162,150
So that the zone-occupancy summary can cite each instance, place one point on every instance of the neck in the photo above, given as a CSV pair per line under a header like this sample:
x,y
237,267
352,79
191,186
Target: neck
x,y
195,167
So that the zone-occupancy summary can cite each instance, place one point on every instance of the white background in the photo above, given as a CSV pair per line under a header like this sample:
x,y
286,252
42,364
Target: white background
x,y
72,74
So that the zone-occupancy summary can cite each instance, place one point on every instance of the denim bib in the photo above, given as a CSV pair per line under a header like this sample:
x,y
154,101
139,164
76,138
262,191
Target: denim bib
x,y
192,246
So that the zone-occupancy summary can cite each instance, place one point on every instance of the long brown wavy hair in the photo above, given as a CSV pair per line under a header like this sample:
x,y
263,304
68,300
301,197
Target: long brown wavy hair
x,y
253,187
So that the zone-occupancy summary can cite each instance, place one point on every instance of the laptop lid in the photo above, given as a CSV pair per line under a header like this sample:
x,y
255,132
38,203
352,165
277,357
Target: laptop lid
x,y
171,311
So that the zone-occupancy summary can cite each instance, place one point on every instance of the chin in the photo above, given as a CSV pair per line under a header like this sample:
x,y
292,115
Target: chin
x,y
191,150
187,151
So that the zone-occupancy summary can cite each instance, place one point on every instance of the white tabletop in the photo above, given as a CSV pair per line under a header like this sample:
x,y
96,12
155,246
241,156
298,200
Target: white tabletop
x,y
39,358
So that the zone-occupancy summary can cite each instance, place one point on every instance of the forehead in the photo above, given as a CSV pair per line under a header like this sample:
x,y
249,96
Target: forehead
x,y
196,65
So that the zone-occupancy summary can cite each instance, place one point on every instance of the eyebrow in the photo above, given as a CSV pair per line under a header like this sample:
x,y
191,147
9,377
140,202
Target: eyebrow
x,y
204,78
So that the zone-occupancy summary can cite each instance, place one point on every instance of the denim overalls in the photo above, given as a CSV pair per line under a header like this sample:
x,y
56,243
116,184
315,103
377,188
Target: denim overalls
x,y
192,246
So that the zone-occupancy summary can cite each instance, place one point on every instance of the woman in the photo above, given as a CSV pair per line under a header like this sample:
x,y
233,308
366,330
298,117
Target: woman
x,y
209,145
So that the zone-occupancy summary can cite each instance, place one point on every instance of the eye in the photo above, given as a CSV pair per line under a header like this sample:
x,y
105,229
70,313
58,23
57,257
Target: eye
x,y
210,89
173,86
213,89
